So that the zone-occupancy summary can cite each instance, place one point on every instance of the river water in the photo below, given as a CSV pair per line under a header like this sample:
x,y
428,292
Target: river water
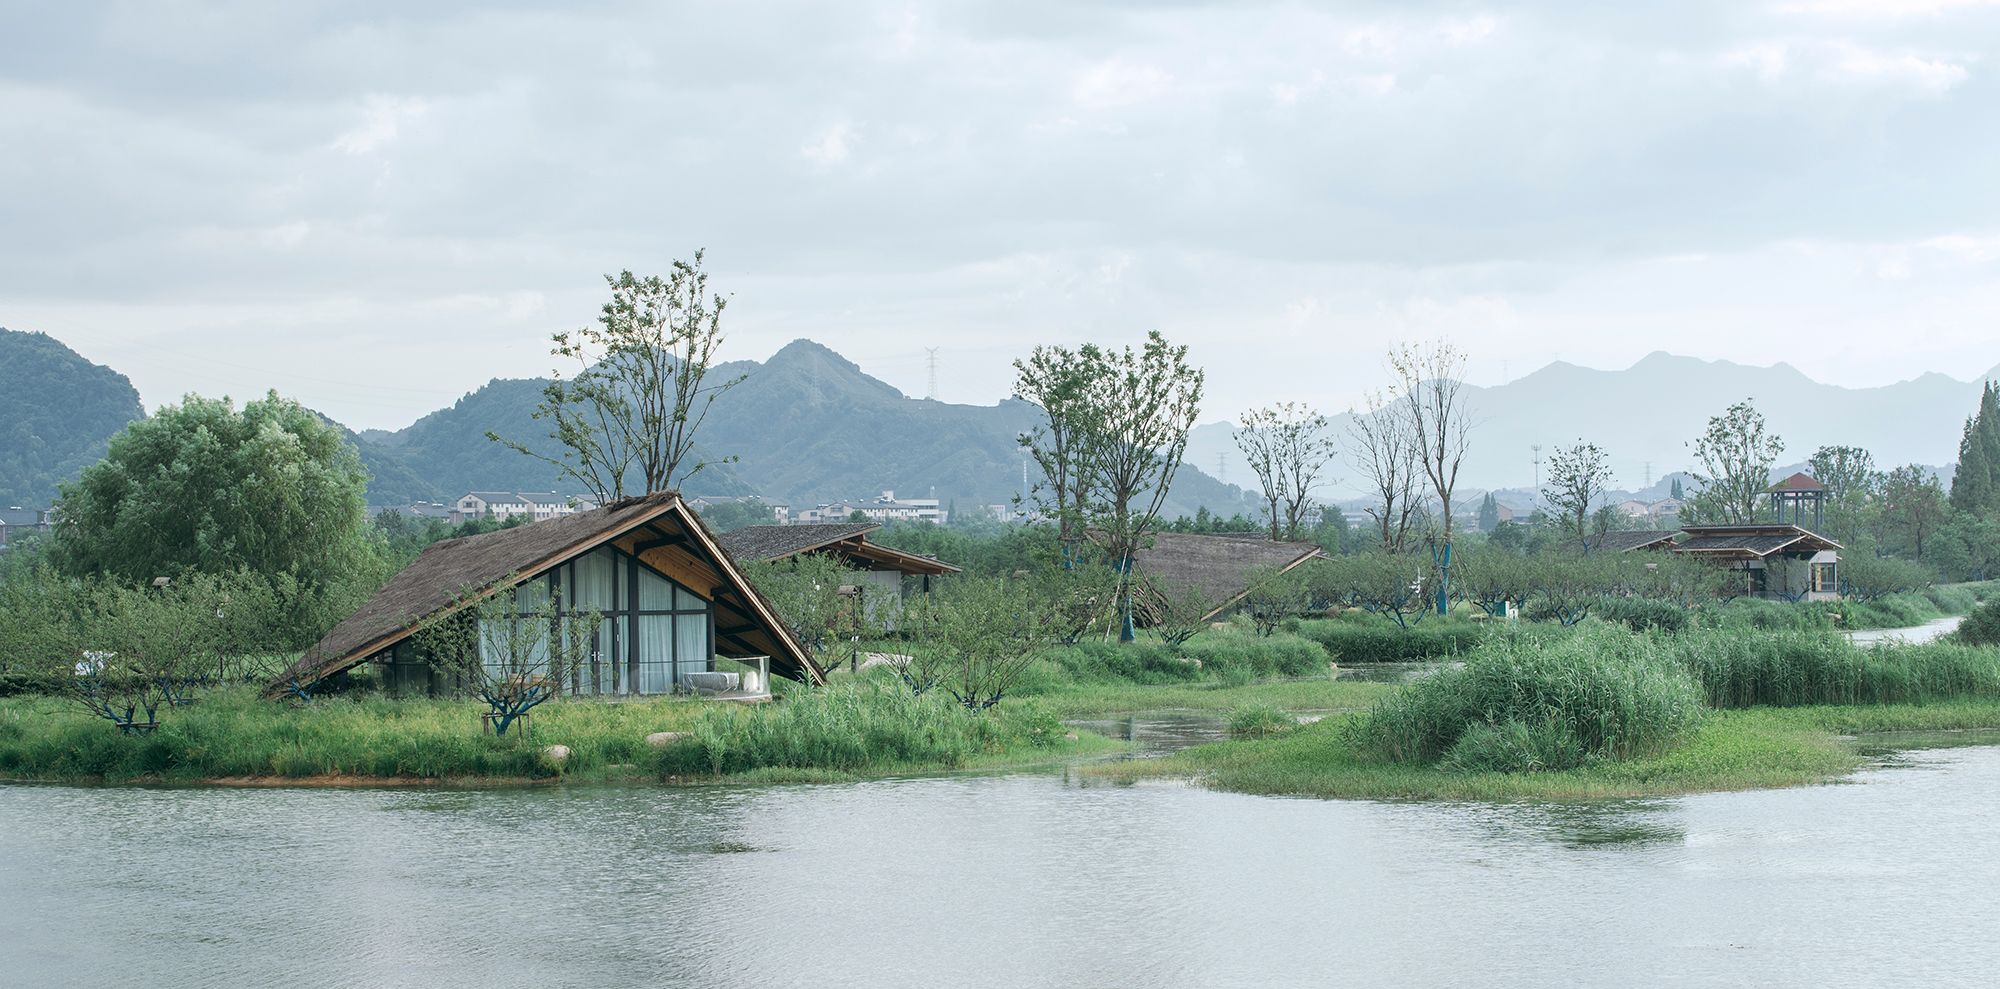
x,y
1023,879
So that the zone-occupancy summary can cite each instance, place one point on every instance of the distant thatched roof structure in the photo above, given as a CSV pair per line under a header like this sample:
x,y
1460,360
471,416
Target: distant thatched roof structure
x,y
660,529
1219,565
1627,540
847,539
1751,542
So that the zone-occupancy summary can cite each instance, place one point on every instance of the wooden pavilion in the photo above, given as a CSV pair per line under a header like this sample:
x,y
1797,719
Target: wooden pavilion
x,y
672,599
1778,560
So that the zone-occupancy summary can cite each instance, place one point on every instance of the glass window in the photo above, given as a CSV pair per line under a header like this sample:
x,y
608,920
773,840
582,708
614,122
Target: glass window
x,y
597,581
691,650
655,592
655,653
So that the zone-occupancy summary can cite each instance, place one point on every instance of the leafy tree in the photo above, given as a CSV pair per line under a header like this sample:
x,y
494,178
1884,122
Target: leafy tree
x,y
1676,491
1975,488
1866,578
1913,505
982,633
1736,455
1489,513
628,417
1287,448
1117,428
1577,478
1849,476
1063,382
1966,548
272,489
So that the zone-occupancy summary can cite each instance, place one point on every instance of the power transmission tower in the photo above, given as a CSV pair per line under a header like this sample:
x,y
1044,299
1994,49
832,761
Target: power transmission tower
x,y
1222,466
932,351
1649,474
1537,448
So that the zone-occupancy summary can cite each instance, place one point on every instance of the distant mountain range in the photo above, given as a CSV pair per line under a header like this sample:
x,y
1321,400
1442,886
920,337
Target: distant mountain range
x,y
810,427
1649,414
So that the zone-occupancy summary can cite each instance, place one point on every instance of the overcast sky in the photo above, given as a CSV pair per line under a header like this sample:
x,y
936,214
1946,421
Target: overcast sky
x,y
377,207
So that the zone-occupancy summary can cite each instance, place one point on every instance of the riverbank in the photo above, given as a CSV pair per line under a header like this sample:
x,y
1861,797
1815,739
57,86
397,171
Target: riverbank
x,y
233,736
1758,748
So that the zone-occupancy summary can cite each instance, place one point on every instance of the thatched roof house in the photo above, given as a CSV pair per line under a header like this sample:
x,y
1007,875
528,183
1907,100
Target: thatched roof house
x,y
1779,560
672,597
1629,540
1219,565
847,540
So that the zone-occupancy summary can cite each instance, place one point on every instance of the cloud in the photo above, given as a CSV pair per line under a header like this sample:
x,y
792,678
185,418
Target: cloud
x,y
1258,179
382,117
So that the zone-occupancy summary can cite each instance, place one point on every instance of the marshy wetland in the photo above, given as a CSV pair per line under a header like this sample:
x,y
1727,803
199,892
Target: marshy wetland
x,y
856,836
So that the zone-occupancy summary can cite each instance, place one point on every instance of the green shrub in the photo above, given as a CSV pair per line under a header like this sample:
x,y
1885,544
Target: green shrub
x,y
1536,702
1951,599
1139,662
1351,642
1515,746
1276,655
1645,614
1982,627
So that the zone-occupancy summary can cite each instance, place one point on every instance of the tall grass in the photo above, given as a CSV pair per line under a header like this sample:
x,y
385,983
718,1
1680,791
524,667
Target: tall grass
x,y
865,725
1372,642
1738,668
1526,702
1215,656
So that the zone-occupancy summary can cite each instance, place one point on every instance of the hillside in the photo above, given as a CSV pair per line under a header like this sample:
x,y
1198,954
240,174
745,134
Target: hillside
x,y
809,425
57,413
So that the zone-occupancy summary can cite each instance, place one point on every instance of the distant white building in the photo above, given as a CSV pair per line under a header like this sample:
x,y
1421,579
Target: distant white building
x,y
537,505
887,508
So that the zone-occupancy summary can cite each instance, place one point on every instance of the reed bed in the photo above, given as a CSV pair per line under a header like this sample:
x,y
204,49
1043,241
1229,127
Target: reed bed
x,y
1524,702
1738,669
854,727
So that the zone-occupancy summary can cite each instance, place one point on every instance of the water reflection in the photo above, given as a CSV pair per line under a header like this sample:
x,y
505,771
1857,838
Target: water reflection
x,y
1003,880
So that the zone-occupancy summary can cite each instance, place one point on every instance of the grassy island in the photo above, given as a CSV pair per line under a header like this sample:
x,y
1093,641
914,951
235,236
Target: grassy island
x,y
1603,712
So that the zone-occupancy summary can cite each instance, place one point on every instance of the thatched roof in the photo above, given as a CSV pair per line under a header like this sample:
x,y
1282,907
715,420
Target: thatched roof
x,y
849,539
1219,565
1751,542
1627,540
660,529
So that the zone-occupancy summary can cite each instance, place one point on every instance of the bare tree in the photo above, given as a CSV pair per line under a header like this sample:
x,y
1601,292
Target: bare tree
x,y
1380,446
630,414
1287,448
1430,380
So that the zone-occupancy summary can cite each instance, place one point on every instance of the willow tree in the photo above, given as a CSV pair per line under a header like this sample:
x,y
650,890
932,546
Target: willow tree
x,y
627,418
1287,447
